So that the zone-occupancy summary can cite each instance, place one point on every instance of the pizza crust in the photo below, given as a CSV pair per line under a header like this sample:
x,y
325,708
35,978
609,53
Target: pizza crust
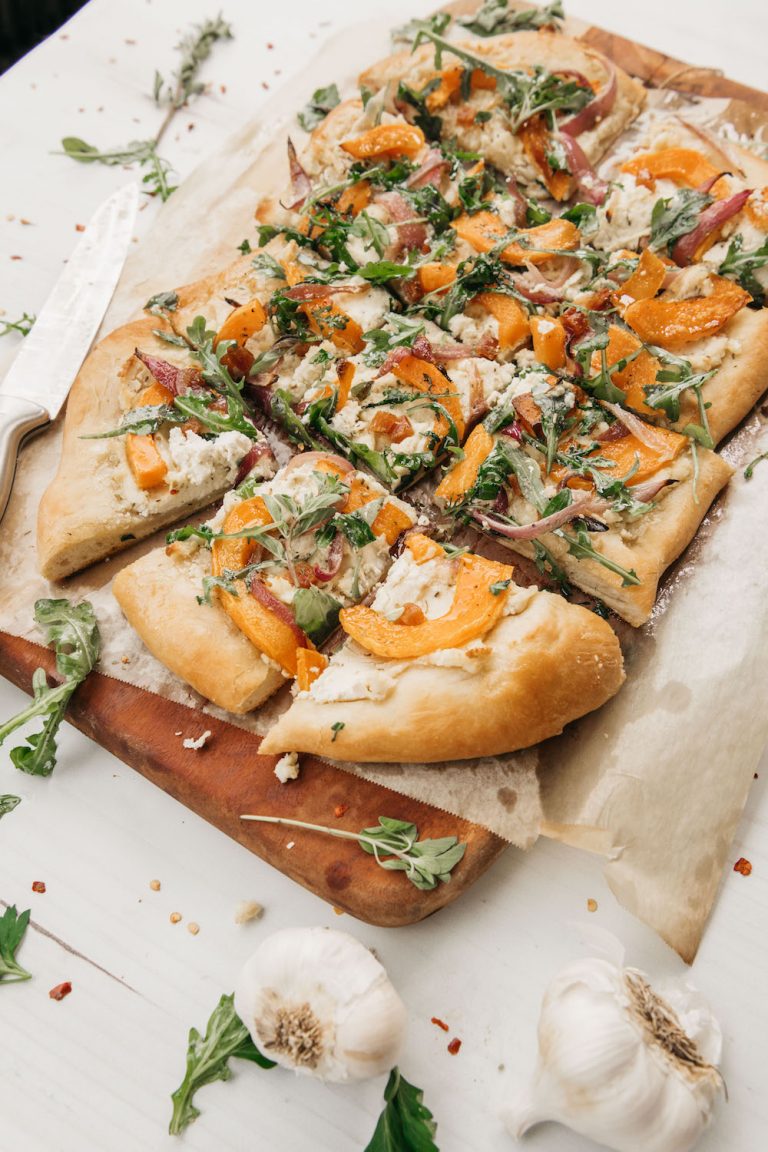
x,y
198,642
548,665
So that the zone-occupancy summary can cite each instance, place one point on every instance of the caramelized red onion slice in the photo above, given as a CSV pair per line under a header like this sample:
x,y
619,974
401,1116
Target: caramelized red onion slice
x,y
176,380
633,424
313,457
332,561
304,292
540,289
590,187
410,233
301,186
437,354
251,459
521,208
581,504
429,171
646,491
715,144
710,220
260,592
602,104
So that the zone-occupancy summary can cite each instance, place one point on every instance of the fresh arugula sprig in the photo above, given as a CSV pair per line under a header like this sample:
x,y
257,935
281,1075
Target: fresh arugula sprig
x,y
12,929
407,33
162,303
316,109
525,93
396,332
672,381
675,216
195,47
394,844
8,803
749,471
405,1124
23,326
208,1056
581,547
74,634
495,18
742,266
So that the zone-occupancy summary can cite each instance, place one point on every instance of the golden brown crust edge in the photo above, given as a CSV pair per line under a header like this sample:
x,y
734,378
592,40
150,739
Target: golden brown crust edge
x,y
549,665
197,642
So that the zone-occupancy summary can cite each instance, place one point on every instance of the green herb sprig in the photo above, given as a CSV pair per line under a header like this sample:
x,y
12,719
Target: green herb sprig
x,y
316,109
749,471
405,1124
208,1056
12,929
395,845
495,18
23,325
74,634
195,47
8,803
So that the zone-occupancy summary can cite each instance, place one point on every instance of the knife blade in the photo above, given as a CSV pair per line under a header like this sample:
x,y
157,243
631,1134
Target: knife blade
x,y
38,382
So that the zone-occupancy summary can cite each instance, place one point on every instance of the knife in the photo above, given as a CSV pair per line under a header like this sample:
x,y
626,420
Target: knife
x,y
38,381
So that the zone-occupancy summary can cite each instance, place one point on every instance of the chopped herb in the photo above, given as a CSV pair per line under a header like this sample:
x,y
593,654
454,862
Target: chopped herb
x,y
161,303
170,338
208,1056
742,266
407,33
336,728
430,124
266,263
195,48
482,117
395,846
405,1124
12,929
316,612
8,803
581,547
379,271
23,326
749,471
244,246
495,18
74,634
401,331
500,586
316,110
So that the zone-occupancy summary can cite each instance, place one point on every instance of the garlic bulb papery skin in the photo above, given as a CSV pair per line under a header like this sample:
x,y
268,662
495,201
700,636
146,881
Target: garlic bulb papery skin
x,y
620,1065
319,1002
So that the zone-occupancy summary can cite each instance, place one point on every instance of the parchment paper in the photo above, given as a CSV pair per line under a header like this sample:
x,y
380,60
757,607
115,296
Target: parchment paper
x,y
656,779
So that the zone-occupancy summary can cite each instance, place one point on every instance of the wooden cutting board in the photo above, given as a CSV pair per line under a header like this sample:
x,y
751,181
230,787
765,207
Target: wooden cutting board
x,y
228,776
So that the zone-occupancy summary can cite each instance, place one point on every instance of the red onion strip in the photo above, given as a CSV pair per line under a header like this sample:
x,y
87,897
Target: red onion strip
x,y
251,459
581,503
176,380
603,102
332,562
431,167
260,592
301,186
710,220
634,425
302,458
411,233
592,189
322,291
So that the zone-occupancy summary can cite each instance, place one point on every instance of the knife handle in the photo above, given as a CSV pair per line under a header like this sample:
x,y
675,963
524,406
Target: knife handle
x,y
18,417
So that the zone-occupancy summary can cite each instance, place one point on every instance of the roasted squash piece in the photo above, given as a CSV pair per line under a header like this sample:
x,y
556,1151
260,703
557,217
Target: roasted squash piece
x,y
646,280
484,229
548,341
510,316
463,475
243,322
426,377
386,140
309,665
684,166
144,460
327,320
639,374
675,323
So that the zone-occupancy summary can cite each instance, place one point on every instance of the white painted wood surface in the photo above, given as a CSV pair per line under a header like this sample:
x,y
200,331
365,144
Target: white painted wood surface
x,y
95,1071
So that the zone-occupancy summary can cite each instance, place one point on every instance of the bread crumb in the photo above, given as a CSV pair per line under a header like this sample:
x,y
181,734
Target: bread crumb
x,y
175,917
248,910
193,928
338,911
197,744
290,844
591,905
154,885
287,767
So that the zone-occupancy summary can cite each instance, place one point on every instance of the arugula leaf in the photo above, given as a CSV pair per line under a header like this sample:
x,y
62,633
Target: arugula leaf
x,y
495,18
676,216
244,246
336,728
74,634
407,33
406,1124
581,547
12,929
161,303
316,109
316,612
400,332
379,271
372,231
742,266
749,471
225,1037
267,264
8,803
142,421
23,326
430,124
352,525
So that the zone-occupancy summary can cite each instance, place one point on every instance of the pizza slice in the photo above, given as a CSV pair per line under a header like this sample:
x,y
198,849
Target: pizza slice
x,y
238,606
597,497
452,660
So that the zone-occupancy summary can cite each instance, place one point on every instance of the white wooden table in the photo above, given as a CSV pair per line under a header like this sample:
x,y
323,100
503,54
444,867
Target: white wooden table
x,y
94,1072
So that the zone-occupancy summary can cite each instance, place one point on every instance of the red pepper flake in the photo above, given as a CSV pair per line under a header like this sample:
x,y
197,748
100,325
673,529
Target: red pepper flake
x,y
743,866
38,886
222,89
23,221
440,1023
264,84
190,127
340,809
79,227
61,990
130,41
17,257
591,905
454,1046
270,46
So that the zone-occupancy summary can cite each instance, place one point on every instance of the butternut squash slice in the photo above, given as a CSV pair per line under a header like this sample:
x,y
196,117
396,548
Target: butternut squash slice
x,y
646,280
327,320
450,84
474,611
425,377
461,478
548,341
309,665
422,548
243,323
756,209
484,229
389,522
386,140
675,323
629,450
639,374
144,460
510,316
269,633
434,276
355,198
537,142
685,167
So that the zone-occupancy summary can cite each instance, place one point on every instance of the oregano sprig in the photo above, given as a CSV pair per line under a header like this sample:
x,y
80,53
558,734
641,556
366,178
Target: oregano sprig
x,y
405,1124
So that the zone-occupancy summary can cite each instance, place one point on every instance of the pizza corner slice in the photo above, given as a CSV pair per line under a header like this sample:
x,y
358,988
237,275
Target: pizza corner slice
x,y
451,660
238,606
596,496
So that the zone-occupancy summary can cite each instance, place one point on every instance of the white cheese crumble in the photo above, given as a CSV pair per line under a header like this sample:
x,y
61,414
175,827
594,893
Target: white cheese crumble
x,y
248,910
196,744
287,767
196,462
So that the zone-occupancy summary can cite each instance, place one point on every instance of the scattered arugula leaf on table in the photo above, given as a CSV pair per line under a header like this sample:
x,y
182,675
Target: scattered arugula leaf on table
x,y
74,633
23,325
405,1124
12,929
495,18
316,109
226,1037
8,803
749,471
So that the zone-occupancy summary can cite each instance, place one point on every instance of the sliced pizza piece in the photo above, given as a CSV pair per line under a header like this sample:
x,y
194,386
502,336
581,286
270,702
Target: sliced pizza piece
x,y
597,497
241,604
157,423
452,660
537,105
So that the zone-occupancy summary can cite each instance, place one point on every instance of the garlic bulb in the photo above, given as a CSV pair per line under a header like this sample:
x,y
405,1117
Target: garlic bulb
x,y
620,1065
318,1001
